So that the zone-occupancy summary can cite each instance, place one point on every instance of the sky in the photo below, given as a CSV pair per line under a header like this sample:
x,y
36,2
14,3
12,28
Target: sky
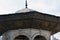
x,y
45,6
57,35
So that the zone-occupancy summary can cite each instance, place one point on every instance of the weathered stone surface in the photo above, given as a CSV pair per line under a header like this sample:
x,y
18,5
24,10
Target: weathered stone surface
x,y
29,33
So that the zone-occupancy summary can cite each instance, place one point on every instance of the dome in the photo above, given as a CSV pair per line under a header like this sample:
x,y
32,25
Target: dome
x,y
24,10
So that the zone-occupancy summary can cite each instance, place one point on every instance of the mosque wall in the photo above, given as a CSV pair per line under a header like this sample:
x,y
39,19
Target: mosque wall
x,y
30,33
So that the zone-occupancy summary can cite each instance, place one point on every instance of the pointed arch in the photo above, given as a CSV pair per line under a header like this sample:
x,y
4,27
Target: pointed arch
x,y
39,37
21,37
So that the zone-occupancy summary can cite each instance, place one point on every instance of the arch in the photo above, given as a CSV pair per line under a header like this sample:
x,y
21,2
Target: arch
x,y
16,33
21,37
39,37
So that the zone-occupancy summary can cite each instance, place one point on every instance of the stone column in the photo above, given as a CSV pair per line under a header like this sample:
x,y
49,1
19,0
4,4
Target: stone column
x,y
5,36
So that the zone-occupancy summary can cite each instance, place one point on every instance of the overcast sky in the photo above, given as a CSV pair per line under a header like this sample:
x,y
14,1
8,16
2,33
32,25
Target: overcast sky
x,y
46,6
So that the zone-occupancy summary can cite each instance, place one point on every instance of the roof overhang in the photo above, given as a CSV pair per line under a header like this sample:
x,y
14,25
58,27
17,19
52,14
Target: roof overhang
x,y
32,19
